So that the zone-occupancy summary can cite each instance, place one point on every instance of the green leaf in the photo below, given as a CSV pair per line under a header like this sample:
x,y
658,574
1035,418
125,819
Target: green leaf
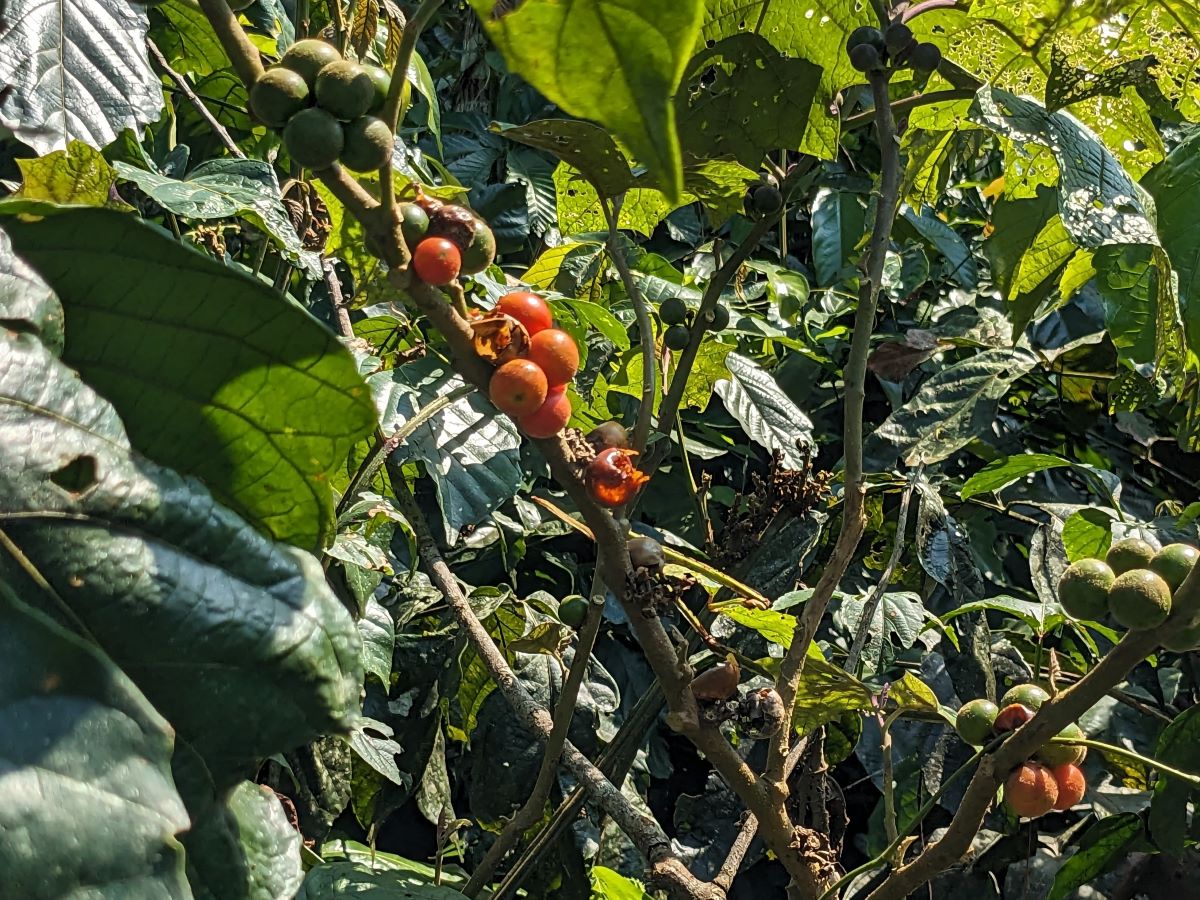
x,y
226,189
198,359
26,301
1098,201
899,614
1087,534
580,210
776,627
556,268
616,62
1035,615
1175,185
949,411
741,98
177,590
76,176
87,803
1015,226
347,880
586,148
719,184
765,412
610,885
1141,311
75,71
1178,746
910,692
958,262
244,848
838,221
1104,844
1003,472
372,741
378,633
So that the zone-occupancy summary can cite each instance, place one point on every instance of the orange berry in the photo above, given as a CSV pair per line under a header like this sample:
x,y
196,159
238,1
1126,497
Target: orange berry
x,y
1031,790
555,351
549,418
612,479
1071,785
518,387
528,309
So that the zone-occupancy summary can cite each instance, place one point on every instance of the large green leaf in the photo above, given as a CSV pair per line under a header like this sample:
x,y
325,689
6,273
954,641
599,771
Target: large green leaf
x,y
78,175
1141,308
225,189
26,301
346,880
237,640
950,410
1015,226
75,69
580,210
838,220
87,803
1104,844
1178,746
960,266
741,98
1175,185
1098,201
616,62
212,372
765,412
587,148
1003,472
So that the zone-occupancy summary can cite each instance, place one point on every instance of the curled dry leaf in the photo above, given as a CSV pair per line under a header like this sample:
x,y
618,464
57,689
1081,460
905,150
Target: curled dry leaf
x,y
499,338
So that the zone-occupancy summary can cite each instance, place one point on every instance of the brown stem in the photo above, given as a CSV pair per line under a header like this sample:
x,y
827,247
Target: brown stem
x,y
645,833
1054,715
853,519
531,812
186,89
641,428
237,44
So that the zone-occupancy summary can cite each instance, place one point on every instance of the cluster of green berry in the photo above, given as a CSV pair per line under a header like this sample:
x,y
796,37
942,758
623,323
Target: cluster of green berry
x,y
680,321
871,50
1050,780
1136,585
326,107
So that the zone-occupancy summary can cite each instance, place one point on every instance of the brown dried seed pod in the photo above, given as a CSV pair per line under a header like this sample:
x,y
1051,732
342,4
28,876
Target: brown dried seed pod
x,y
718,683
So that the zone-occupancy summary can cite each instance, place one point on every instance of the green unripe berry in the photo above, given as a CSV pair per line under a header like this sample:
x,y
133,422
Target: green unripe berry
x,y
314,138
1029,695
573,611
677,337
765,200
1183,639
897,38
368,144
1083,589
308,57
672,311
1139,599
717,318
974,721
277,95
1173,563
925,57
868,36
865,58
345,90
382,82
1062,754
1128,554
414,222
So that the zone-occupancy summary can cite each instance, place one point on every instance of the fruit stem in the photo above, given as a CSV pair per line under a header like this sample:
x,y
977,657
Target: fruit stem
x,y
1113,749
339,25
399,92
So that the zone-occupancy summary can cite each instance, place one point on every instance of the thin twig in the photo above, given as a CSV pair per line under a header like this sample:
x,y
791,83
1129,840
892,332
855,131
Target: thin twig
x,y
400,91
700,500
340,31
872,604
855,374
645,833
641,428
197,103
859,120
340,311
531,812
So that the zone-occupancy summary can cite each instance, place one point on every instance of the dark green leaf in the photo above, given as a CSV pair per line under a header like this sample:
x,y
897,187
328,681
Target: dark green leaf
x,y
838,221
958,263
1102,847
1178,746
86,767
587,148
1175,185
264,378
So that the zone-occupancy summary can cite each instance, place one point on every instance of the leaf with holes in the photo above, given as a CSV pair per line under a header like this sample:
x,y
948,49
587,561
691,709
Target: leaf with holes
x,y
86,762
950,410
43,49
765,412
585,147
175,588
741,99
616,62
280,388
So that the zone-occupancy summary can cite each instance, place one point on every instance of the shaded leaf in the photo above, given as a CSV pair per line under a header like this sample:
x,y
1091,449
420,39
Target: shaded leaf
x,y
1104,844
378,633
585,147
958,263
838,221
1178,746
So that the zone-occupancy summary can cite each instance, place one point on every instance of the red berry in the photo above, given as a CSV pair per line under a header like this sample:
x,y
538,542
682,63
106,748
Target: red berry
x,y
436,261
612,479
528,309
549,418
518,387
556,353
